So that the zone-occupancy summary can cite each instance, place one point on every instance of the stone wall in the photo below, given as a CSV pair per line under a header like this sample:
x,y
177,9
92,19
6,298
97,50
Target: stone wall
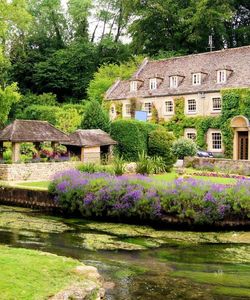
x,y
241,167
34,171
27,198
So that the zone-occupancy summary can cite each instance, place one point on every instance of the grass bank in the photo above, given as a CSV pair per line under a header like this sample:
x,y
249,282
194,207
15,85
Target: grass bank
x,y
28,274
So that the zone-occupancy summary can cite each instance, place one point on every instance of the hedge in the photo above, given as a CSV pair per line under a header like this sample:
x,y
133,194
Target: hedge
x,y
132,137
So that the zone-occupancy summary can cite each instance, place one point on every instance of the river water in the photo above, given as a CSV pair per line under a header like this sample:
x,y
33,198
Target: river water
x,y
144,263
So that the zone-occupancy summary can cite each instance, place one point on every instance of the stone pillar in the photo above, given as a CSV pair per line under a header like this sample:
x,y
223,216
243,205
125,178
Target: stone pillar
x,y
82,154
38,148
15,152
248,144
1,150
235,146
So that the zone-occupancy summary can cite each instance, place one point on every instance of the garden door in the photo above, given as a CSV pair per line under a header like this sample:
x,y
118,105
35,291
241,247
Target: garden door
x,y
243,145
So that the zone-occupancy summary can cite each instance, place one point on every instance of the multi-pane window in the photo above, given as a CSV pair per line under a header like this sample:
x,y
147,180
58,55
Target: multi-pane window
x,y
216,140
197,79
169,105
221,76
216,104
148,107
174,81
153,84
192,105
127,109
133,86
191,135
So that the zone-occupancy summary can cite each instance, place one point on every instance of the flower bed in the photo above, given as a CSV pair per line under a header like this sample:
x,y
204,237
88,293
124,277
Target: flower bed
x,y
222,175
142,198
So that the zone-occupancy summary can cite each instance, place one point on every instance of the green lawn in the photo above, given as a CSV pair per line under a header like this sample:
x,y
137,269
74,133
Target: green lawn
x,y
28,274
35,184
171,176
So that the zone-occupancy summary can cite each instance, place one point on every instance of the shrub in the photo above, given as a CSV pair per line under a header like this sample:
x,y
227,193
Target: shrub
x,y
95,117
142,198
132,137
160,143
158,165
94,168
184,147
41,112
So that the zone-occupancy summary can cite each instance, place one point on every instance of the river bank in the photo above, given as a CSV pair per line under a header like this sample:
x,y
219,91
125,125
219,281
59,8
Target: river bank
x,y
144,263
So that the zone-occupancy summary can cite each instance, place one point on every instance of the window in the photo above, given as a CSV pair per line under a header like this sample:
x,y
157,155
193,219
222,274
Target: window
x,y
216,141
221,76
216,104
191,135
197,79
127,109
169,106
148,107
133,86
112,110
192,105
174,81
153,84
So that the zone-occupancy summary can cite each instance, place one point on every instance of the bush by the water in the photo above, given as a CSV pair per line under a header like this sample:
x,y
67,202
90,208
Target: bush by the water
x,y
142,198
184,147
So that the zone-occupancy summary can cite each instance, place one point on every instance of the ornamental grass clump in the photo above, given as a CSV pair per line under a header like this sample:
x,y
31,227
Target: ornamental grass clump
x,y
141,198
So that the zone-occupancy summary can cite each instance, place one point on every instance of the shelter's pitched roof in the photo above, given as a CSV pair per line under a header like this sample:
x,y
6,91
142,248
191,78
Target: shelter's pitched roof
x,y
32,131
235,60
90,138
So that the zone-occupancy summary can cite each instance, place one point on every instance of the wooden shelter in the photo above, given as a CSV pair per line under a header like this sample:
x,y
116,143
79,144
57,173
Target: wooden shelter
x,y
23,131
90,144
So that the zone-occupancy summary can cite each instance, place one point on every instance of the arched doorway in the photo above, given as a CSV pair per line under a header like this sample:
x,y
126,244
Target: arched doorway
x,y
241,146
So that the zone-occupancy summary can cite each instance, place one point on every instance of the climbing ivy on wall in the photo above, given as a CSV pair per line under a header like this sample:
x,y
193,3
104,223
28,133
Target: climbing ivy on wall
x,y
234,102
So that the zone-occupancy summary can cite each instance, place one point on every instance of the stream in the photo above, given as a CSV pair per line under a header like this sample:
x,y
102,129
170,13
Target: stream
x,y
142,262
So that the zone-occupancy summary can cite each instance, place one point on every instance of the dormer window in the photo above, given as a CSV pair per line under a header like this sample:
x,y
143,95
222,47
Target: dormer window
x,y
221,76
196,79
153,84
133,86
174,81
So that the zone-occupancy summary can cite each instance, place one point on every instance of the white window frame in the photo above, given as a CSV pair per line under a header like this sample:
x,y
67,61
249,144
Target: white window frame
x,y
169,104
191,111
127,112
221,76
216,109
216,137
173,82
152,84
196,79
149,109
190,131
133,86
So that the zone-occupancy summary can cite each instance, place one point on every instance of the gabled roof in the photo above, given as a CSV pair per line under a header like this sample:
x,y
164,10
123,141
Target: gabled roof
x,y
32,131
235,59
90,138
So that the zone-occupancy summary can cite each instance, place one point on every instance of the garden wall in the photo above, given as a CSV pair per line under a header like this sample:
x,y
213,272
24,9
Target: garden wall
x,y
241,167
27,198
34,171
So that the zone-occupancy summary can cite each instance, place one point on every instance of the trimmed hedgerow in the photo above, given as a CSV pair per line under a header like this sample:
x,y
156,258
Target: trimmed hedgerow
x,y
132,137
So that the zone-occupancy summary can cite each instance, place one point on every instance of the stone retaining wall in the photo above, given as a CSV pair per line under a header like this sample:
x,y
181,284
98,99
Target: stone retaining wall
x,y
27,198
241,167
34,171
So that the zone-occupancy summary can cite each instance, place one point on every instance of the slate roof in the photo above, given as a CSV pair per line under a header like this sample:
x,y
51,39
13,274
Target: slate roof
x,y
236,60
90,138
32,131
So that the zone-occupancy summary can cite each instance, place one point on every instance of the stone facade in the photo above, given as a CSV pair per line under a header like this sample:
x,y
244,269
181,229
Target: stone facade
x,y
34,171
